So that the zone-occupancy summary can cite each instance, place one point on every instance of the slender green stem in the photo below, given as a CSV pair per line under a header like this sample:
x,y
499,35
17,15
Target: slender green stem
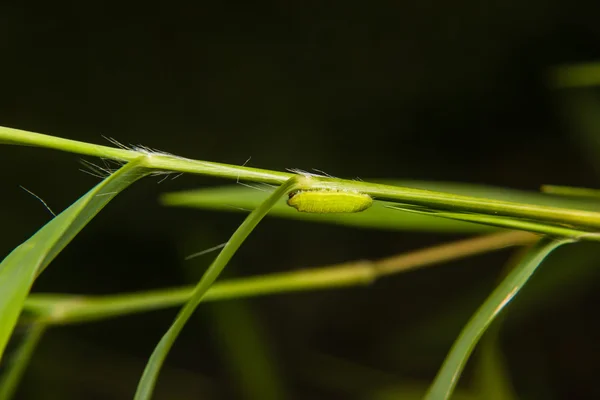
x,y
511,223
426,198
156,160
148,380
447,378
67,309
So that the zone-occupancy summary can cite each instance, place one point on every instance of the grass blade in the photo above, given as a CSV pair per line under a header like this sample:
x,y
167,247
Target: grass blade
x,y
20,268
504,222
18,363
148,380
237,198
448,376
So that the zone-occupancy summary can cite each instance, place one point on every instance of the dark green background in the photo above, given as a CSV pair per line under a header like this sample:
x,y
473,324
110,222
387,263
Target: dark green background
x,y
427,90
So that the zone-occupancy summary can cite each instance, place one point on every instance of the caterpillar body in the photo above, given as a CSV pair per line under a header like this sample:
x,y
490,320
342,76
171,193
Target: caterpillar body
x,y
321,201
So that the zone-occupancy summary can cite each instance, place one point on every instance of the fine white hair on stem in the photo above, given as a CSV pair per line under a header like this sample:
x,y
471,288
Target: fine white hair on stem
x,y
243,165
163,179
149,151
98,171
238,208
115,142
299,171
91,173
302,172
323,172
267,186
255,187
209,250
40,199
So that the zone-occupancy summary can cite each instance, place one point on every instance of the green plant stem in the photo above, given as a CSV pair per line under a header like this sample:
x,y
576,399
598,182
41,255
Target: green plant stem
x,y
148,380
447,378
511,223
18,363
426,198
68,309
155,160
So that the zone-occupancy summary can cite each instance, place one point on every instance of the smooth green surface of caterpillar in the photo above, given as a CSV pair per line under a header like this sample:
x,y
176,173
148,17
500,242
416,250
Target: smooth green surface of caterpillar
x,y
329,201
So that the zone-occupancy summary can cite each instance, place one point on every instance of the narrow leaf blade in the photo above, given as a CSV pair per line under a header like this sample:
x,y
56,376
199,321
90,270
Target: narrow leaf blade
x,y
448,376
20,268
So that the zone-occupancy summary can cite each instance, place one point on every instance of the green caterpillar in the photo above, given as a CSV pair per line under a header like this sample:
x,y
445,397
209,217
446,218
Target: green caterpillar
x,y
321,201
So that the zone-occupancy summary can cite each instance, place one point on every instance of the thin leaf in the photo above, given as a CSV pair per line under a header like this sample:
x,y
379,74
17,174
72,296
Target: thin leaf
x,y
504,222
448,376
150,375
237,198
20,268
242,199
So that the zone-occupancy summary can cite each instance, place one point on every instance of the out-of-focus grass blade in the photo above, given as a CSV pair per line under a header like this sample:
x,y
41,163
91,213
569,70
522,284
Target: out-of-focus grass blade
x,y
415,391
20,268
546,289
238,198
575,76
581,112
571,191
245,349
448,376
492,377
11,376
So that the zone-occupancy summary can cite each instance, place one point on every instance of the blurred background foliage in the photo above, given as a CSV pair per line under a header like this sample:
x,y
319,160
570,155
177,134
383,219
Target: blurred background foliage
x,y
392,90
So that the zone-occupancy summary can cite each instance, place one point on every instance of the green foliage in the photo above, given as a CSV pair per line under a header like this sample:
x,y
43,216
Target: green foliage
x,y
447,378
396,207
20,268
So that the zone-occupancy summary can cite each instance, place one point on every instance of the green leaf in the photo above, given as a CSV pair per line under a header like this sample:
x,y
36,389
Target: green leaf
x,y
20,268
237,198
448,376
504,222
148,381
